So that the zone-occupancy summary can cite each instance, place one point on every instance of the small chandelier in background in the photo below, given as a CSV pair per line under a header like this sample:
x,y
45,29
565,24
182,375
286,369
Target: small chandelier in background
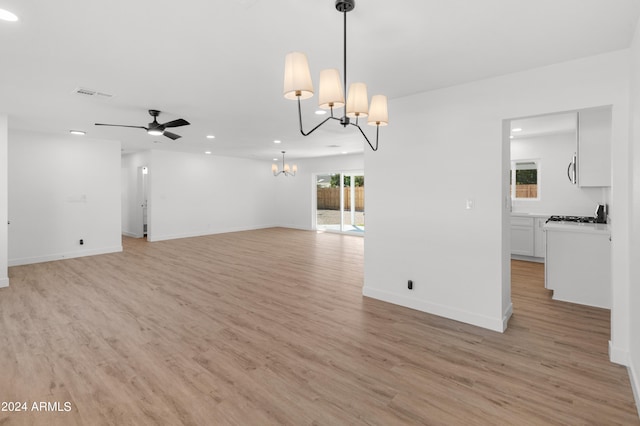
x,y
298,85
285,168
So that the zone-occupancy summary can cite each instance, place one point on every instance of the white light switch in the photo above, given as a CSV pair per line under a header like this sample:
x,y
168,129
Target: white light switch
x,y
469,204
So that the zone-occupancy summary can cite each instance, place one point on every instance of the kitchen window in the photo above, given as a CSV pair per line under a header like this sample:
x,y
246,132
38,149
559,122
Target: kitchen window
x,y
525,182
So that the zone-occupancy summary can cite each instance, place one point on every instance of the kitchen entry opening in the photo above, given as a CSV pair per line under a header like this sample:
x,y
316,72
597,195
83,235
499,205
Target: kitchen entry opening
x,y
340,202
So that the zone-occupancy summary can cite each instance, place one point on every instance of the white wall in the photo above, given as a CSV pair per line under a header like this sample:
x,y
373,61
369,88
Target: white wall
x,y
197,194
131,198
446,146
62,188
295,203
557,196
4,265
634,291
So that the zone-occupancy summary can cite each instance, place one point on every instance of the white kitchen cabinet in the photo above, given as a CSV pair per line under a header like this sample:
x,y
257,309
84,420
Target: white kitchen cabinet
x,y
594,147
539,237
578,263
527,236
522,242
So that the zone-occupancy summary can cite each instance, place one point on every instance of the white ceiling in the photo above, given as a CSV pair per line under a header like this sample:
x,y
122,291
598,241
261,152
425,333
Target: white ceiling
x,y
219,64
544,125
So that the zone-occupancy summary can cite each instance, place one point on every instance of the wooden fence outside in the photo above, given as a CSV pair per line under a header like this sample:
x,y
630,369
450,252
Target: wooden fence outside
x,y
527,191
329,198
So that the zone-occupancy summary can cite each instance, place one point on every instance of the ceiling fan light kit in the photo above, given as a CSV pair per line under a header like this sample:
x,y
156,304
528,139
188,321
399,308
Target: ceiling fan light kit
x,y
298,86
154,128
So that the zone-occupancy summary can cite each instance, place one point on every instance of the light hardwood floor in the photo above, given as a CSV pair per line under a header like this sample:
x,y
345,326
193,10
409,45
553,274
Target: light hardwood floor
x,y
270,327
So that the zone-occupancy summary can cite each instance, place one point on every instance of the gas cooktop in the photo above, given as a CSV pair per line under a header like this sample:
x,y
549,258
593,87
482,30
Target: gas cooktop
x,y
579,219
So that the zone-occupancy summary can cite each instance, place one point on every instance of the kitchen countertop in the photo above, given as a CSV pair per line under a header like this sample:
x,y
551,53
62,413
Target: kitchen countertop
x,y
591,228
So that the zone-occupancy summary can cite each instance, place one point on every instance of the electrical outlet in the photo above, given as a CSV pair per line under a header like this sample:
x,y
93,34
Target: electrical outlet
x,y
81,241
410,285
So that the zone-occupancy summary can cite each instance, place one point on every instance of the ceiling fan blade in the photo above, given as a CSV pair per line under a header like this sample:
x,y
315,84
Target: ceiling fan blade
x,y
121,125
177,123
171,135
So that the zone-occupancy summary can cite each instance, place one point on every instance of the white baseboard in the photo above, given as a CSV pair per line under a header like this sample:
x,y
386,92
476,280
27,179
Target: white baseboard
x,y
328,231
331,231
507,316
495,324
132,235
300,228
527,258
635,384
618,355
4,282
153,238
61,256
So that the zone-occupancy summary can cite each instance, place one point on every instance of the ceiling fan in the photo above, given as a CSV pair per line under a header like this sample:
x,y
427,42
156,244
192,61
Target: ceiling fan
x,y
154,128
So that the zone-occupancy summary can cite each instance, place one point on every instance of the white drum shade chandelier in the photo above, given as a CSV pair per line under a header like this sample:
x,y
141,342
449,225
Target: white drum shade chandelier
x,y
286,170
298,86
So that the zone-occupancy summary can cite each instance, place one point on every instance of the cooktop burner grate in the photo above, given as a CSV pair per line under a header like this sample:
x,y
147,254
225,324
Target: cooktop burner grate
x,y
579,219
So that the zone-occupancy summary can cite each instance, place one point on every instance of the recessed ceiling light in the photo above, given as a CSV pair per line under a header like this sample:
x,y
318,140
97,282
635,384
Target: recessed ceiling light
x,y
207,152
211,137
517,129
344,152
275,159
77,132
510,136
321,112
277,141
5,15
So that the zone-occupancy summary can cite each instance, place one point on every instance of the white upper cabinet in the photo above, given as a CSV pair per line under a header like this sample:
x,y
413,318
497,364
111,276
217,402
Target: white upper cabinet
x,y
594,147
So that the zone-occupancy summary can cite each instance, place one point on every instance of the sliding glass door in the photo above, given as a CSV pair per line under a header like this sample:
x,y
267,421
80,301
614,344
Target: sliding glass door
x,y
340,202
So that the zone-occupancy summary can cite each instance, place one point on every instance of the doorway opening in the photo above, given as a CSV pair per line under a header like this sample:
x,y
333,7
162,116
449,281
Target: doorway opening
x,y
556,167
340,202
142,198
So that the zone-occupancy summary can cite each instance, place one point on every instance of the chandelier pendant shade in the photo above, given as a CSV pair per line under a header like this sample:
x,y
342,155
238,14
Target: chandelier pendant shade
x,y
297,77
331,95
378,114
357,101
286,170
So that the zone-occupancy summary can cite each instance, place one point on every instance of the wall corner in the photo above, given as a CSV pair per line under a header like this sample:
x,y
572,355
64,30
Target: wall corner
x,y
618,355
